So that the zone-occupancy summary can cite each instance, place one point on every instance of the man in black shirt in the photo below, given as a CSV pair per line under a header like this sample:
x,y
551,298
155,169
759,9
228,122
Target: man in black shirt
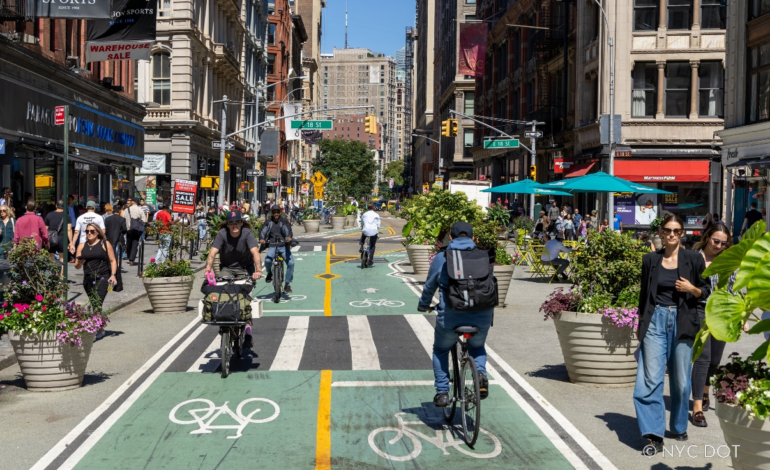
x,y
238,250
55,223
278,230
753,216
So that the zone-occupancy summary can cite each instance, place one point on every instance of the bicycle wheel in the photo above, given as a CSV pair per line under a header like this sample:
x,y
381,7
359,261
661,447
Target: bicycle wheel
x,y
278,281
471,400
238,342
364,257
225,351
454,381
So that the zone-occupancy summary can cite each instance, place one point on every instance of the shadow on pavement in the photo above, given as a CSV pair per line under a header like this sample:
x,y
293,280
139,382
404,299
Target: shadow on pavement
x,y
556,372
662,466
93,378
625,427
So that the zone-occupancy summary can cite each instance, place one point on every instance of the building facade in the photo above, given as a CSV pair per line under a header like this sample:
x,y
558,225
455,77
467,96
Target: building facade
x,y
359,77
424,152
746,137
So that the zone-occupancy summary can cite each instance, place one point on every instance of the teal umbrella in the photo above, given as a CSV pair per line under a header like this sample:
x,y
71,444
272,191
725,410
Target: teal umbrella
x,y
525,187
601,183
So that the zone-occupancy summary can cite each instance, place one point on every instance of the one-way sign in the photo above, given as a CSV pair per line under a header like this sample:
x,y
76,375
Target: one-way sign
x,y
255,173
218,145
536,135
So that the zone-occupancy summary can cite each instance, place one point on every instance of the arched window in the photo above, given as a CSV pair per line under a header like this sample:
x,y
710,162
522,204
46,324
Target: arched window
x,y
161,79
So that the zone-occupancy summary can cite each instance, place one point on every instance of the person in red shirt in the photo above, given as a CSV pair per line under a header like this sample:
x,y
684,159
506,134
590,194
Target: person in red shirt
x,y
31,225
164,229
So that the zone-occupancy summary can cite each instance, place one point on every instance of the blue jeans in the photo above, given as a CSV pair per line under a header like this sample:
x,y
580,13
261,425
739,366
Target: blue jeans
x,y
286,256
164,241
444,339
659,349
202,229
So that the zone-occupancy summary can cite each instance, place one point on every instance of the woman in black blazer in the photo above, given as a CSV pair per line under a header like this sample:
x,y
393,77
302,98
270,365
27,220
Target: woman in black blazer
x,y
672,283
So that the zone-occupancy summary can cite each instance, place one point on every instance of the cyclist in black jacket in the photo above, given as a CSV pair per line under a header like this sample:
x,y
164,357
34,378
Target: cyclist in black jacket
x,y
278,230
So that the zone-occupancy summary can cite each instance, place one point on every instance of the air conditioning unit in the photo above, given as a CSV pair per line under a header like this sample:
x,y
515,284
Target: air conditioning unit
x,y
73,61
25,38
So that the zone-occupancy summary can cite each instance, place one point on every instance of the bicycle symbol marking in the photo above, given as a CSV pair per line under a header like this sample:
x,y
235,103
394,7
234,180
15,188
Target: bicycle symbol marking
x,y
442,440
208,413
376,303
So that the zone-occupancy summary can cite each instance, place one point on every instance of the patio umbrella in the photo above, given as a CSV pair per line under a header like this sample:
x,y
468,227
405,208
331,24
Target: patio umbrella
x,y
601,183
526,186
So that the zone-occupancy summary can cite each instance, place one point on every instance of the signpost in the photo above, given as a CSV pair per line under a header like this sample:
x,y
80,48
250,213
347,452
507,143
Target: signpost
x,y
61,114
305,189
324,125
318,179
218,145
184,196
534,135
501,144
250,172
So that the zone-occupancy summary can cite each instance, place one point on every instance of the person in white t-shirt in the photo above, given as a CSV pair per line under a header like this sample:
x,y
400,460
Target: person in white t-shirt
x,y
90,217
371,228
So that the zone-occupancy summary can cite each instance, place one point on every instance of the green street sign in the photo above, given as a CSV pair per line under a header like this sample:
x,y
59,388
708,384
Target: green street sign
x,y
501,144
325,125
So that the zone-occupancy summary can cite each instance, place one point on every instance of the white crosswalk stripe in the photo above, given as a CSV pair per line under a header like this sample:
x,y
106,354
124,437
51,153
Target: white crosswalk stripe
x,y
364,352
318,248
293,344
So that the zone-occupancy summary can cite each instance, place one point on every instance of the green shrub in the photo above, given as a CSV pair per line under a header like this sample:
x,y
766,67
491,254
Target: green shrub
x,y
430,216
498,214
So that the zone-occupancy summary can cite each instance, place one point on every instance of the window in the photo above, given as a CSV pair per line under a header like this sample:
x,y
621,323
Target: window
x,y
161,79
270,117
679,14
470,2
713,14
164,8
270,64
759,83
469,101
468,137
645,15
470,17
271,34
643,96
271,7
758,8
677,89
711,89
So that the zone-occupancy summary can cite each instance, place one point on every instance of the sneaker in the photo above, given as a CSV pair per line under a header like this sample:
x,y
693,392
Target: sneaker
x,y
441,399
652,448
287,288
269,278
247,342
483,386
681,437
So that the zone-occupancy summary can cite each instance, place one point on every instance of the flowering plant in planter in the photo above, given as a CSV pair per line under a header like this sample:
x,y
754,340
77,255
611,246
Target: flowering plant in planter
x,y
744,383
167,268
497,213
559,301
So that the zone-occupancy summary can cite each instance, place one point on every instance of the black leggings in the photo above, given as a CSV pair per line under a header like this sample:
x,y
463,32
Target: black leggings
x,y
372,243
705,366
96,289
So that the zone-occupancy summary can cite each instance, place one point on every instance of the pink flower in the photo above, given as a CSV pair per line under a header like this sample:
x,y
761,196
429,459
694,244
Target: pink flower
x,y
5,304
2,316
152,260
45,308
26,315
39,298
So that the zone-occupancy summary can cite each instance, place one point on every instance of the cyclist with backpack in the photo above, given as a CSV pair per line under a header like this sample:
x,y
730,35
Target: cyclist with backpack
x,y
467,297
278,230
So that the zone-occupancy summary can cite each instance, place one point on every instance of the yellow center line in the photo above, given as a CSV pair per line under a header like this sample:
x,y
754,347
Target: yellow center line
x,y
323,450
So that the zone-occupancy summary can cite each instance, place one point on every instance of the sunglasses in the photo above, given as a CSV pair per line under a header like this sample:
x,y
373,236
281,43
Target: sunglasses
x,y
91,232
669,231
3,211
719,242
238,222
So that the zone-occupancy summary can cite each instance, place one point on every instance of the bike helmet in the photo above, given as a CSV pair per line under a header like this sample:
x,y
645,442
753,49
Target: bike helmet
x,y
276,207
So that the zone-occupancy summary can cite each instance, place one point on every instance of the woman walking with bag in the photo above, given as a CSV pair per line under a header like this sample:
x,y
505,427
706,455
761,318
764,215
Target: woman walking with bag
x,y
7,226
97,258
668,322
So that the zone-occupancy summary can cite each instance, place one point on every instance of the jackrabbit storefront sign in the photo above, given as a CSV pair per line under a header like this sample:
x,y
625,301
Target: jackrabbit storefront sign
x,y
80,9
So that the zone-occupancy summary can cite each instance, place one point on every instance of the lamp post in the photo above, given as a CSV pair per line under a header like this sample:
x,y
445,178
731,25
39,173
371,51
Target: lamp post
x,y
611,42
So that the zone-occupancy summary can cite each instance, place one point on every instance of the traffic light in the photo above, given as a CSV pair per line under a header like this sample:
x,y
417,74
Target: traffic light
x,y
303,176
370,124
533,172
445,128
227,162
454,127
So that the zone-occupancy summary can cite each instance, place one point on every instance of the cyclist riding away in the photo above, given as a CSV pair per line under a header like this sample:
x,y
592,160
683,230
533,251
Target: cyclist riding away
x,y
238,250
370,223
278,230
448,317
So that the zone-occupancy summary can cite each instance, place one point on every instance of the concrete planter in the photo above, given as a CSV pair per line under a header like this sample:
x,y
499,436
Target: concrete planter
x,y
350,220
168,294
50,367
311,226
418,258
504,275
338,223
596,351
747,438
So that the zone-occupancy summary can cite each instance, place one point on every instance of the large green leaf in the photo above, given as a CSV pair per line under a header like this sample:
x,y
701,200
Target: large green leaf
x,y
407,230
725,315
761,352
751,261
759,285
725,264
760,327
700,341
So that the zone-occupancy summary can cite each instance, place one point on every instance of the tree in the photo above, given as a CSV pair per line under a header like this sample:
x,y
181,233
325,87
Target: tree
x,y
395,170
348,164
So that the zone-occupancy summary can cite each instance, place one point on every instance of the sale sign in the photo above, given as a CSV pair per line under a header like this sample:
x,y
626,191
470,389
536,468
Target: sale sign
x,y
184,196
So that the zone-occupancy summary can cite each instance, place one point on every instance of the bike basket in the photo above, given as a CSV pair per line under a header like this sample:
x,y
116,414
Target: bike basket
x,y
227,303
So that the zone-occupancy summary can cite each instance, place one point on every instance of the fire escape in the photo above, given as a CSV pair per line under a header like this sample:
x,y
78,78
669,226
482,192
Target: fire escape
x,y
411,35
547,45
17,10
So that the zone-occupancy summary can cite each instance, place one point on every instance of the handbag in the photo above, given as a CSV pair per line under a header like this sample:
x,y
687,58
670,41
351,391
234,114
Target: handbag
x,y
136,224
53,235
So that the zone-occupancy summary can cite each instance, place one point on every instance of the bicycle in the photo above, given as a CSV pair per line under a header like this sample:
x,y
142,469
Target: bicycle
x,y
365,253
464,386
277,269
232,334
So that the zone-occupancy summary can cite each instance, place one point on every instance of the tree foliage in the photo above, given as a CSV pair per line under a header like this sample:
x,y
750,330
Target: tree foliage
x,y
395,170
348,164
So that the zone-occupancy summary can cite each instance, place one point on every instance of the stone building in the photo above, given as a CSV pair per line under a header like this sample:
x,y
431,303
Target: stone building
x,y
311,12
424,151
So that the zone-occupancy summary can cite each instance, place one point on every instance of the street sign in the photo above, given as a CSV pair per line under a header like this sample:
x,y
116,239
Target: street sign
x,y
210,182
276,183
325,125
255,173
218,145
536,135
296,175
290,191
623,153
319,194
305,189
58,116
501,144
248,154
318,179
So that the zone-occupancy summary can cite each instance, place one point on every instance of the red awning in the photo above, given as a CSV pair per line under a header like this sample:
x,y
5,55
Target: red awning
x,y
654,171
581,169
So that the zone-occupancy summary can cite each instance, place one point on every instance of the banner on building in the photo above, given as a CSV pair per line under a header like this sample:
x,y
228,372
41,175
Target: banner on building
x,y
151,191
562,164
374,74
473,49
154,163
91,9
128,34
291,109
269,144
184,196
312,137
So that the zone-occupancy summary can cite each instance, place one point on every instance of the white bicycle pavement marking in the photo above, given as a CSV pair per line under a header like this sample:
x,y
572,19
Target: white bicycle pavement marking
x,y
376,303
205,417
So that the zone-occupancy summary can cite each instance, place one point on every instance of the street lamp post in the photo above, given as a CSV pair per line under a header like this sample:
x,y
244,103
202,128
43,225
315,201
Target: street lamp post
x,y
611,42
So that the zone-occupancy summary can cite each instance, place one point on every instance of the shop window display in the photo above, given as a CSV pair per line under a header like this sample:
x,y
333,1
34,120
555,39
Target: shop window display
x,y
689,200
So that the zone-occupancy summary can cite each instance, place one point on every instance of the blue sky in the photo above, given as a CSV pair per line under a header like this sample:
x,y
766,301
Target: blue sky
x,y
379,25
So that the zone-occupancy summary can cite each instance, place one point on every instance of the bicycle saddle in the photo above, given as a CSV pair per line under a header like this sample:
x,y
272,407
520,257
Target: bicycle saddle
x,y
466,329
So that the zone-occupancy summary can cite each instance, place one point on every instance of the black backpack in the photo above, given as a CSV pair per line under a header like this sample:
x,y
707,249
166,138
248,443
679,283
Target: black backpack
x,y
472,284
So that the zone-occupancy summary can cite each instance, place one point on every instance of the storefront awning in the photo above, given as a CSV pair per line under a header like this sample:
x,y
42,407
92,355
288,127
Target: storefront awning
x,y
763,164
581,169
744,162
651,171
